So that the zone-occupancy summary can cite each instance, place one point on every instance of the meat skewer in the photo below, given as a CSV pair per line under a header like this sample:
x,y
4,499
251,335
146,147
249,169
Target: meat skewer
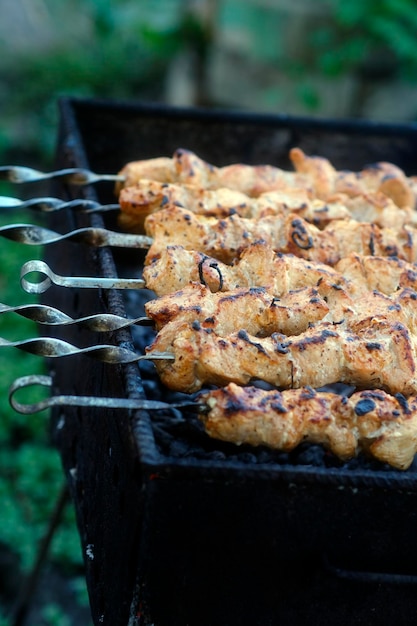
x,y
149,196
261,313
291,234
381,425
373,353
185,167
259,265
372,422
314,174
255,309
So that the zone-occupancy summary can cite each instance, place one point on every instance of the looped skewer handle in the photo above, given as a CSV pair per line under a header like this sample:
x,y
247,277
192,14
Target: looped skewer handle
x,y
51,347
40,267
44,314
33,235
49,205
71,176
87,401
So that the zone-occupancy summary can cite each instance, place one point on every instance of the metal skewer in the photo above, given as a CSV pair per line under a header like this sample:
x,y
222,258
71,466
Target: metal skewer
x,y
84,282
89,401
98,237
49,205
51,347
44,314
71,176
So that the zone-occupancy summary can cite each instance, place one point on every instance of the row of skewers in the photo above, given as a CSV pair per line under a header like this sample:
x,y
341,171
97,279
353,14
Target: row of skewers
x,y
265,274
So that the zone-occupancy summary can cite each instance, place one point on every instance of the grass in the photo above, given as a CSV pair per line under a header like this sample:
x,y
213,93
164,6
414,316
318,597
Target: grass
x,y
31,476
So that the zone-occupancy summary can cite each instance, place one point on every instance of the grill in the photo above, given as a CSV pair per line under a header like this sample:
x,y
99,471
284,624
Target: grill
x,y
177,529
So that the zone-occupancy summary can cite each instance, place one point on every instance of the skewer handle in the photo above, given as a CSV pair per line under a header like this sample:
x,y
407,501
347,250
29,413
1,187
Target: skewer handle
x,y
49,205
87,401
51,347
44,314
33,235
71,176
40,267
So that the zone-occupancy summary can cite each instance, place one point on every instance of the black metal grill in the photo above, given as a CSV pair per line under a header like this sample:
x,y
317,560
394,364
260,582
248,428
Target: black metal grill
x,y
178,529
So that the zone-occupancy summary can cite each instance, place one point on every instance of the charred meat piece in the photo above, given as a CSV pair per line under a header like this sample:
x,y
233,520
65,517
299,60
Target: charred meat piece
x,y
223,239
367,273
374,422
261,313
149,196
259,266
314,174
373,353
255,309
380,177
256,266
185,167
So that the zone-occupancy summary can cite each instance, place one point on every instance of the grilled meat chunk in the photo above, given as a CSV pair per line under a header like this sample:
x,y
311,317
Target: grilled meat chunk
x,y
224,238
314,174
382,177
255,309
373,353
374,422
257,266
261,313
149,196
368,273
187,168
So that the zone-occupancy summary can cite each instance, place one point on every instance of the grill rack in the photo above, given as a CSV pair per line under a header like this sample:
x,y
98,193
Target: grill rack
x,y
170,532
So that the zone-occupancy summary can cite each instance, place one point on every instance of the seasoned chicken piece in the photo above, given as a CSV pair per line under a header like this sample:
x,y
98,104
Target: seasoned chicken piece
x,y
374,422
367,273
374,353
158,168
149,196
256,310
224,238
378,208
317,168
251,180
316,175
257,266
186,167
381,177
261,313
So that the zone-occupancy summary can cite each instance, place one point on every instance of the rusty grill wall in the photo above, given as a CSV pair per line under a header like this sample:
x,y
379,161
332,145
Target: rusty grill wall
x,y
203,540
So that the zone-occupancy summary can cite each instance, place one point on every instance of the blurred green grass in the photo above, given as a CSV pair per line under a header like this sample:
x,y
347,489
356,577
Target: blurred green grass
x,y
31,475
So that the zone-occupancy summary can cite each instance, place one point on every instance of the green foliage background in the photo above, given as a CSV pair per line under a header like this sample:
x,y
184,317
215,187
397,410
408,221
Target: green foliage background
x,y
124,49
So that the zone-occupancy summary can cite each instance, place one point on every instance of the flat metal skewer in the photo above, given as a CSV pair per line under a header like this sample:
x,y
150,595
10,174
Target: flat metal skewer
x,y
40,267
89,401
49,205
101,322
71,176
51,347
33,235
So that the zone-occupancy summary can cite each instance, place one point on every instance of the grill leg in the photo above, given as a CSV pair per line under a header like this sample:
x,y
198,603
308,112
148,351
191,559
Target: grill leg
x,y
29,586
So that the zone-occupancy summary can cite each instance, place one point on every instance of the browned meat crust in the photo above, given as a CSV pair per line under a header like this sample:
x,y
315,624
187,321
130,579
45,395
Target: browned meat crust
x,y
374,422
149,196
223,239
314,174
373,353
259,312
255,309
256,266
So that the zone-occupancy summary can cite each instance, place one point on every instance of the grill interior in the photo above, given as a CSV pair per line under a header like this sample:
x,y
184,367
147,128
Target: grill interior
x,y
179,522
